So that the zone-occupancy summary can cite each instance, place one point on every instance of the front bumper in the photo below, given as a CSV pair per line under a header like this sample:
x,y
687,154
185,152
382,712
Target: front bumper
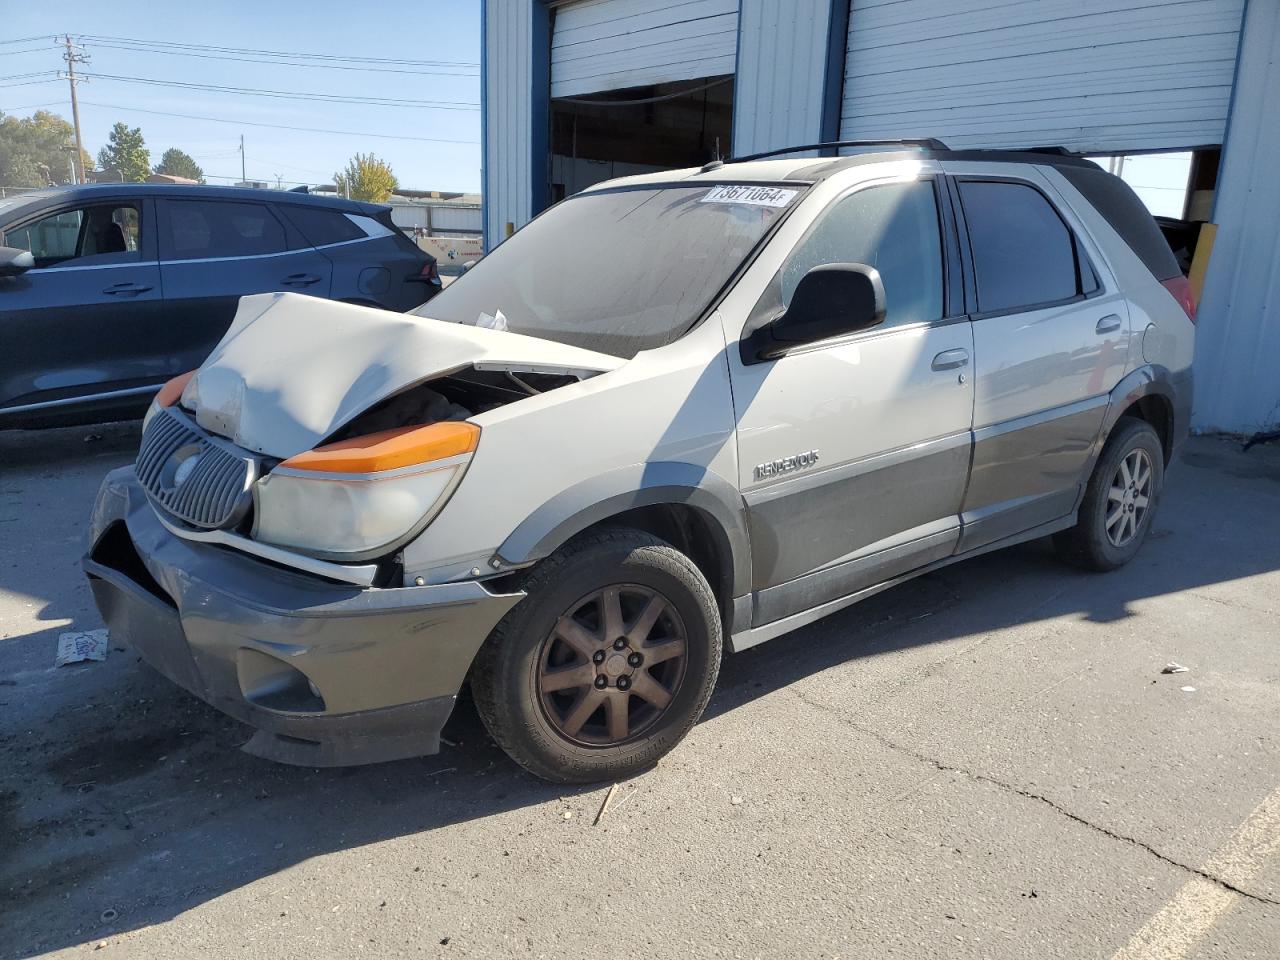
x,y
330,674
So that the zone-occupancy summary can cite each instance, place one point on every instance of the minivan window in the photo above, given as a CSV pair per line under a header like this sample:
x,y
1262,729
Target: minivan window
x,y
1023,254
894,228
616,271
216,228
107,233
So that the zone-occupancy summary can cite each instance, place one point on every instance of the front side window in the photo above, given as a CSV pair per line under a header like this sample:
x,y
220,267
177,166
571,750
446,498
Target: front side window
x,y
215,228
107,233
1023,254
616,271
893,228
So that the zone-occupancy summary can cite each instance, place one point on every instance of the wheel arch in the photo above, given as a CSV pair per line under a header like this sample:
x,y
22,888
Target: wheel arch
x,y
1149,394
696,510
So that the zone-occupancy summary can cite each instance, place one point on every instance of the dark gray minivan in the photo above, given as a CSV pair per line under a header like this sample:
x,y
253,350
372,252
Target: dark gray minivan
x,y
109,290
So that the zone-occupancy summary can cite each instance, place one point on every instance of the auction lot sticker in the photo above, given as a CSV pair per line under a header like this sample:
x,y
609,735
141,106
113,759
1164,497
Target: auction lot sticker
x,y
755,196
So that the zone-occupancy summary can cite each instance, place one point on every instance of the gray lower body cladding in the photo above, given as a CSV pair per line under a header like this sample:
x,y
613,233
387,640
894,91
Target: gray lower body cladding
x,y
329,674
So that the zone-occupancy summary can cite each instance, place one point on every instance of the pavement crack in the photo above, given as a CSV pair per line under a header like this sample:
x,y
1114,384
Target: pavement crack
x,y
945,767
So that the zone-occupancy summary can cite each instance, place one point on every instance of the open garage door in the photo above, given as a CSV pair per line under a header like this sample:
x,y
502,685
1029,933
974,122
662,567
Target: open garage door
x,y
639,86
599,45
1082,74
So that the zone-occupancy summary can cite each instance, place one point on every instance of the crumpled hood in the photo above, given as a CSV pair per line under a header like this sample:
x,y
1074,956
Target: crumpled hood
x,y
292,369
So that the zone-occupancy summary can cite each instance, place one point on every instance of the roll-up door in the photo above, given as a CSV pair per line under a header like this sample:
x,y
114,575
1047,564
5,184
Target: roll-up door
x,y
1091,75
600,45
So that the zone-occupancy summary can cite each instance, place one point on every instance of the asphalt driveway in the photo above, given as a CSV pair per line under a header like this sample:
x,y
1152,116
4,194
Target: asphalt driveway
x,y
987,762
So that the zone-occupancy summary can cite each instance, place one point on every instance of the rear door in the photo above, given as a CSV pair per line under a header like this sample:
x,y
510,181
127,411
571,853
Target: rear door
x,y
212,253
1051,340
78,329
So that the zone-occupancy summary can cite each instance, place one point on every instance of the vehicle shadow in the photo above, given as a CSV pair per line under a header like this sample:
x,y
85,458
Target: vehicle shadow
x,y
124,801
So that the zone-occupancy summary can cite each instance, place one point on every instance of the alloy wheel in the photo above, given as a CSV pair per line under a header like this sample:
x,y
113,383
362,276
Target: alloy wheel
x,y
612,665
1129,497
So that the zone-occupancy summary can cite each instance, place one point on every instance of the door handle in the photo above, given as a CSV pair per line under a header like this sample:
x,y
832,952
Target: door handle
x,y
1108,324
126,289
950,359
300,280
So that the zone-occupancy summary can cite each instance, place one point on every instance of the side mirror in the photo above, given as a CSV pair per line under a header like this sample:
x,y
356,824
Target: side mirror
x,y
831,300
14,261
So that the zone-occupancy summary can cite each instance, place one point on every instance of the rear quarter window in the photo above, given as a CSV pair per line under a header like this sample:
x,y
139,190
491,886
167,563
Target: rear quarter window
x,y
1128,216
322,227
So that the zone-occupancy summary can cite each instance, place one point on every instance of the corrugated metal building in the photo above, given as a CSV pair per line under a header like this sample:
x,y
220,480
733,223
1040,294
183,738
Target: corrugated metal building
x,y
578,91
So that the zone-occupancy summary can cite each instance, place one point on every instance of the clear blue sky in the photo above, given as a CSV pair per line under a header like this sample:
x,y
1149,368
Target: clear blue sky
x,y
439,30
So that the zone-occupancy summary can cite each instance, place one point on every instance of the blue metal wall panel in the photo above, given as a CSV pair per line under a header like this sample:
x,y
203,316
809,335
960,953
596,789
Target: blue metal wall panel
x,y
508,116
1093,75
1238,334
781,76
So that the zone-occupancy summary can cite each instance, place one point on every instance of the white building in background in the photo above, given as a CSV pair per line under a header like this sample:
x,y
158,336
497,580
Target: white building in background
x,y
578,91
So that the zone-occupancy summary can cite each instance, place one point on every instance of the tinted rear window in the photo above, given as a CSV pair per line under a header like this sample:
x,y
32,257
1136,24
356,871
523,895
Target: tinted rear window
x,y
1115,200
1023,253
216,228
322,226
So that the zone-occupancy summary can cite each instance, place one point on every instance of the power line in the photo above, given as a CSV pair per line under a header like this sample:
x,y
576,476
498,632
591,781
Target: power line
x,y
283,53
363,68
43,36
292,95
276,126
35,106
28,83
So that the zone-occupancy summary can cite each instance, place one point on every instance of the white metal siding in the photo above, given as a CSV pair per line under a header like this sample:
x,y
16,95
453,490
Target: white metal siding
x,y
1093,75
601,45
1238,333
781,67
508,116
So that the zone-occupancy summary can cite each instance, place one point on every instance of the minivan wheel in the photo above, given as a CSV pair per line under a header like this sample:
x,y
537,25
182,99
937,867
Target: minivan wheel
x,y
1120,501
606,664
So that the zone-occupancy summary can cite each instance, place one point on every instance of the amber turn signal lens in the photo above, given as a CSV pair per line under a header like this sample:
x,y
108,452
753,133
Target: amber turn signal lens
x,y
391,449
172,390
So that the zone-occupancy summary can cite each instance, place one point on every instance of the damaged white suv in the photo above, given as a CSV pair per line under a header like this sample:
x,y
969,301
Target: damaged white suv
x,y
672,413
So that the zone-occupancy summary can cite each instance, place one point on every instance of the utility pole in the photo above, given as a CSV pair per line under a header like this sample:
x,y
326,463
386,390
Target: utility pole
x,y
243,178
73,56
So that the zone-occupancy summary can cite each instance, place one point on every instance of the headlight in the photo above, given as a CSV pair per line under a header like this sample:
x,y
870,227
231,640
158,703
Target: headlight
x,y
360,498
167,396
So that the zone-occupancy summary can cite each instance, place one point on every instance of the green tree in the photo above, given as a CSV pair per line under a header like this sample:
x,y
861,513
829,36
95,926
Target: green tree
x,y
366,178
36,150
126,152
179,163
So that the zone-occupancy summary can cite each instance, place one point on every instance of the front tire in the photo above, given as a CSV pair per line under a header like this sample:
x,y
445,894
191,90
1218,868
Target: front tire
x,y
1120,501
606,664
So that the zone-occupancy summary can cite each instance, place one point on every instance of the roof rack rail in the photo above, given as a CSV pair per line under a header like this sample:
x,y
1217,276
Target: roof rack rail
x,y
924,143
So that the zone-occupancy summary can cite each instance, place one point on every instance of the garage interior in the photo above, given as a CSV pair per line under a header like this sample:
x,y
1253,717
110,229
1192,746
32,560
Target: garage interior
x,y
634,130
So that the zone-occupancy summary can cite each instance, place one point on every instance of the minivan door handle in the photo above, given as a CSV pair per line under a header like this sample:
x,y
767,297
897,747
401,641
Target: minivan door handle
x,y
300,280
126,289
1108,324
950,359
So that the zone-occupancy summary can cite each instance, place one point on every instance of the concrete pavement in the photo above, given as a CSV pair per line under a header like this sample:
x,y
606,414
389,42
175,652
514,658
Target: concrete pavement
x,y
986,762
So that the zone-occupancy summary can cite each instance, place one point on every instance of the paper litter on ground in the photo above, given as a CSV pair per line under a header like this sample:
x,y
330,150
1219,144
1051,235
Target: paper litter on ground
x,y
81,645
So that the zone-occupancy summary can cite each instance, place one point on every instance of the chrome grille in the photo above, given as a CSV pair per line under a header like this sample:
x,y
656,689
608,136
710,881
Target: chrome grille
x,y
195,477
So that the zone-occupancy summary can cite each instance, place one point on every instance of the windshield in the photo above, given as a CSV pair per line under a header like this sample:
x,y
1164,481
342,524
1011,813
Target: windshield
x,y
617,271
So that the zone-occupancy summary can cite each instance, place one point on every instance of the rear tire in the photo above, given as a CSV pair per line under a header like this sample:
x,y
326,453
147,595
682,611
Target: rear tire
x,y
1120,501
606,664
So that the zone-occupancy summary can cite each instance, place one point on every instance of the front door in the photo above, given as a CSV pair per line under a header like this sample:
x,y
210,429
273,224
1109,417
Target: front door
x,y
213,252
78,329
1051,340
854,452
